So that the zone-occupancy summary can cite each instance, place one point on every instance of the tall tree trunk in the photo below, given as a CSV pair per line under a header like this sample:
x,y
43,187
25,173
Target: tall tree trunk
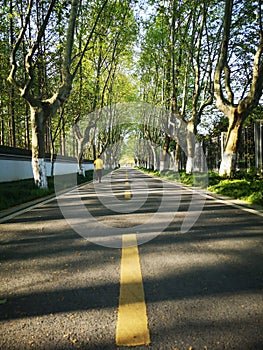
x,y
190,140
165,156
63,138
81,169
228,162
176,165
12,90
13,121
236,113
38,147
27,128
52,153
155,156
2,141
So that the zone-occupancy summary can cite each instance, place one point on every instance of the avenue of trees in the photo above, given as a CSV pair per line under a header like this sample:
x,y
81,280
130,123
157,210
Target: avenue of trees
x,y
64,61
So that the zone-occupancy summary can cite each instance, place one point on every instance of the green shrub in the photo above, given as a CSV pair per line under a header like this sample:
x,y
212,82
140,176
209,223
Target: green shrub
x,y
214,178
255,198
250,191
232,188
244,184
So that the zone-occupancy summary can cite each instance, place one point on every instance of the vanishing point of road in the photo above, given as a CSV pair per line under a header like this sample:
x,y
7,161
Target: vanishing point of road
x,y
108,266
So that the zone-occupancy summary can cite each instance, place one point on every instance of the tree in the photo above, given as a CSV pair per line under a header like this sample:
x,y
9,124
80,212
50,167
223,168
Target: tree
x,y
42,108
201,63
99,75
13,111
177,61
241,44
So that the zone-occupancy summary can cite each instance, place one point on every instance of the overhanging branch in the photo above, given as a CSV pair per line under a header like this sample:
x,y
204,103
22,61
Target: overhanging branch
x,y
12,75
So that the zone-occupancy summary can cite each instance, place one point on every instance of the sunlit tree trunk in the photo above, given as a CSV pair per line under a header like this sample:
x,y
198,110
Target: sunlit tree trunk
x,y
12,91
229,156
190,141
176,165
236,112
154,149
38,147
165,156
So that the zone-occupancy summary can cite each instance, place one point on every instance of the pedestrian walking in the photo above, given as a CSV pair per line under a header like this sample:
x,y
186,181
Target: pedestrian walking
x,y
98,164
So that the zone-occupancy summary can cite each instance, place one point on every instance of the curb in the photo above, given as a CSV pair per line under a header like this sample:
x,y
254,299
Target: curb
x,y
237,203
10,213
6,212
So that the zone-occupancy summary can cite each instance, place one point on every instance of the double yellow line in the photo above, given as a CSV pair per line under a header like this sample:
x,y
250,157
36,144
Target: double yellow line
x,y
127,193
132,325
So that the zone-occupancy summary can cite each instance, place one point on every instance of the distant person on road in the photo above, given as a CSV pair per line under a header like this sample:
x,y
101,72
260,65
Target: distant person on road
x,y
98,164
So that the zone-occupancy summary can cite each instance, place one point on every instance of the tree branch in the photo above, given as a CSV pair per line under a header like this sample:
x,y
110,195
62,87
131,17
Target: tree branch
x,y
230,94
29,65
12,75
253,97
63,93
222,58
89,38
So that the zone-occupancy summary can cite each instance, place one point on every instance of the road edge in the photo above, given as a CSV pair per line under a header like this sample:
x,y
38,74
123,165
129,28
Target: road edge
x,y
237,203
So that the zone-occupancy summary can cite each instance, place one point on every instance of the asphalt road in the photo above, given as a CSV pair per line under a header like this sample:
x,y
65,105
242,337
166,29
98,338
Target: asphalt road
x,y
201,263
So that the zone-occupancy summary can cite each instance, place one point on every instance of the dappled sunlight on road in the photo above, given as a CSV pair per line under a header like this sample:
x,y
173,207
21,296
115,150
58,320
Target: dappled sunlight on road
x,y
202,286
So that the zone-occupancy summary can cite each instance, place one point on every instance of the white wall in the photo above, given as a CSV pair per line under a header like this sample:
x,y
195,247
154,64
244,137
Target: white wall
x,y
13,169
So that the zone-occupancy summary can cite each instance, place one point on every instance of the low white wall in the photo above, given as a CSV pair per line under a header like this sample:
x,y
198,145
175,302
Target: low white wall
x,y
13,169
61,168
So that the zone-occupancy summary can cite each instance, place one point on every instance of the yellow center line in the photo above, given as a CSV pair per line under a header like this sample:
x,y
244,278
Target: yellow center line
x,y
132,325
127,193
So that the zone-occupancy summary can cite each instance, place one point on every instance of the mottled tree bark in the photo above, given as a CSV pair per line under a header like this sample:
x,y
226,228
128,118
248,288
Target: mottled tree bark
x,y
42,109
235,112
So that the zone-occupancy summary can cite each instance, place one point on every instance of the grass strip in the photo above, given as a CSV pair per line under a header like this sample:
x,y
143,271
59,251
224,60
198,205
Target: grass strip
x,y
17,192
243,185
